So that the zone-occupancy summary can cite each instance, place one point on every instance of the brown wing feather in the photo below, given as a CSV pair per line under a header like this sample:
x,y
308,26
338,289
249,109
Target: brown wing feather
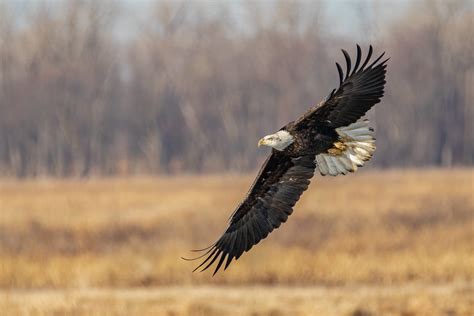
x,y
270,200
358,91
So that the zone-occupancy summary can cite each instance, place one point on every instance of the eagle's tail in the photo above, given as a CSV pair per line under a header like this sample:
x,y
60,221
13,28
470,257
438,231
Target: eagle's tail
x,y
355,146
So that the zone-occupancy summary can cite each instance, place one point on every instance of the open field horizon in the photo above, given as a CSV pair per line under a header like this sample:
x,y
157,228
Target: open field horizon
x,y
391,242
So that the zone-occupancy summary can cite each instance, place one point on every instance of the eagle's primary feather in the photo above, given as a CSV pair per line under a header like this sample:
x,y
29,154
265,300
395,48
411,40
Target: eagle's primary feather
x,y
328,137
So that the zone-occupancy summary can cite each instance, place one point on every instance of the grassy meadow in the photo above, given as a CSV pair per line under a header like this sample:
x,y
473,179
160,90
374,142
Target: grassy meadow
x,y
398,242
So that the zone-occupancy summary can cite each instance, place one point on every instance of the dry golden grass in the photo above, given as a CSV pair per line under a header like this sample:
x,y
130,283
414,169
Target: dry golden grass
x,y
413,299
408,234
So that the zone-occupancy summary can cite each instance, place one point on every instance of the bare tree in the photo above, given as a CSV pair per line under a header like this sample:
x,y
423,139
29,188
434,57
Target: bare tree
x,y
194,86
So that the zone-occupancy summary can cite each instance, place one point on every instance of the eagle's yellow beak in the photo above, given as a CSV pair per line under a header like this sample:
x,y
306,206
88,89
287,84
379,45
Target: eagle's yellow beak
x,y
261,142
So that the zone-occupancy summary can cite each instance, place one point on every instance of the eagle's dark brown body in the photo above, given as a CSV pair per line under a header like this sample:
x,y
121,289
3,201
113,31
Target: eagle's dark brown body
x,y
311,142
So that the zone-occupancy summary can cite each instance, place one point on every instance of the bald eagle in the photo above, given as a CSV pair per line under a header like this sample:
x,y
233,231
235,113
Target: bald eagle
x,y
328,137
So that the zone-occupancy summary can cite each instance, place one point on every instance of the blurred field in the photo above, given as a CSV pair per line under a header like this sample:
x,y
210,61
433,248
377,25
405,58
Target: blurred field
x,y
391,242
406,300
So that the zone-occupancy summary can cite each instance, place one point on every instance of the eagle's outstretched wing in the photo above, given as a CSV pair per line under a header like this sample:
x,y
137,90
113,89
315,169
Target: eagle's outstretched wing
x,y
359,89
277,188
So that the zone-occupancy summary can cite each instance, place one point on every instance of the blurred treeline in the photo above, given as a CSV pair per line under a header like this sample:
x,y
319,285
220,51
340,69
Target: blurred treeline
x,y
189,89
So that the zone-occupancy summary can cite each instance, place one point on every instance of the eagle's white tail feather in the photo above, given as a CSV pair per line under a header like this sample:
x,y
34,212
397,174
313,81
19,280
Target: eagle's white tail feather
x,y
356,146
329,165
323,168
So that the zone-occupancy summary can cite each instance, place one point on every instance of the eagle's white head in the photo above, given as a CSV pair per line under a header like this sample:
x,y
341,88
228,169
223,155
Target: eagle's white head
x,y
280,140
